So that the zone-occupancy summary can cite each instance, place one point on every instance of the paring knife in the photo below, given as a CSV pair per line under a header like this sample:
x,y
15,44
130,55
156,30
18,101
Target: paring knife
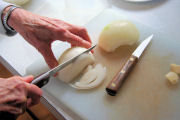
x,y
119,78
43,79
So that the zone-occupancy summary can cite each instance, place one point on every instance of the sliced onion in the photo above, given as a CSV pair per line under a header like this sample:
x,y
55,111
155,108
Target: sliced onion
x,y
91,79
70,72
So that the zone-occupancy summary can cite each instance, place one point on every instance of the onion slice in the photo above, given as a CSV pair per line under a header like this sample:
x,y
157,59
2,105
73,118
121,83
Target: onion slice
x,y
91,79
73,70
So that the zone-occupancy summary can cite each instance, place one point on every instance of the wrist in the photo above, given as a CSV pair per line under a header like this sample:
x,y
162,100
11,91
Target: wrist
x,y
12,18
8,20
4,12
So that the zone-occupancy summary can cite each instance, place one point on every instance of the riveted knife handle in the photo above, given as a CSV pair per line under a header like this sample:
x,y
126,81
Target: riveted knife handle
x,y
119,78
43,82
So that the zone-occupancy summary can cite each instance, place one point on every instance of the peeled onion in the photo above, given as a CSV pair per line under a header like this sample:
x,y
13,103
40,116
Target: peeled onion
x,y
17,2
70,72
92,78
118,33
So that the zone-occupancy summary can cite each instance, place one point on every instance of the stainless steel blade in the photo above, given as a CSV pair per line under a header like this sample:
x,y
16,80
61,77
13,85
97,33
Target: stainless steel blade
x,y
139,50
53,71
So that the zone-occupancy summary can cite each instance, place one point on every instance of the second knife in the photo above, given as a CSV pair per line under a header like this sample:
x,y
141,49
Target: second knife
x,y
119,78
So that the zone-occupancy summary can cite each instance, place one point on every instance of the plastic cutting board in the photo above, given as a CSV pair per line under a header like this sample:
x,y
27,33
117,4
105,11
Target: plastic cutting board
x,y
145,95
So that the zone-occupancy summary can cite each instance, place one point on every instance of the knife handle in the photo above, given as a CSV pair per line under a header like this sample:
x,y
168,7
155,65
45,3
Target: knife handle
x,y
119,78
7,116
40,82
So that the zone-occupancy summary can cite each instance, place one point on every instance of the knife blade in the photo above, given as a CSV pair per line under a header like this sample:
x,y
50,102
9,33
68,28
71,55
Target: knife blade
x,y
119,78
43,79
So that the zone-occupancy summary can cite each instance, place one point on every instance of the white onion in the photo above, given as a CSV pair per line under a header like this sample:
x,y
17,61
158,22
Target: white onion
x,y
70,72
175,68
172,77
118,33
91,79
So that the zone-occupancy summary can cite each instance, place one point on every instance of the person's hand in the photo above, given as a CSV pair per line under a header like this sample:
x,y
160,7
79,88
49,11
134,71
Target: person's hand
x,y
16,93
42,31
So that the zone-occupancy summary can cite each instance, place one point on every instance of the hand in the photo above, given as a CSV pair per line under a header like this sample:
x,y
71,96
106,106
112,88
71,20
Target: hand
x,y
16,94
42,31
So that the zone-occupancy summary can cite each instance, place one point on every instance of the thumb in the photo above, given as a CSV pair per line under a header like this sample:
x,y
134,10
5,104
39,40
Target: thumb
x,y
28,79
49,57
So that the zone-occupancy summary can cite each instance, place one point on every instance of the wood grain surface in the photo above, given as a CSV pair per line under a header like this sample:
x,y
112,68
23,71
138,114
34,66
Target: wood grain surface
x,y
120,77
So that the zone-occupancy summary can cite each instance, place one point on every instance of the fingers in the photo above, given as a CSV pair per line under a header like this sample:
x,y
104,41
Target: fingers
x,y
81,32
28,79
11,109
77,30
16,92
49,56
34,94
29,101
76,40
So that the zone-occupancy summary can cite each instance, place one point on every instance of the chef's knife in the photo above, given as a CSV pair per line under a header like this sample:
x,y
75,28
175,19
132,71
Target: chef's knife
x,y
119,78
43,79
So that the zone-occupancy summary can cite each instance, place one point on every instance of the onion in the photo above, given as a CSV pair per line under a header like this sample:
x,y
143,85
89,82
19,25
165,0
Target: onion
x,y
172,77
175,68
92,78
116,34
70,72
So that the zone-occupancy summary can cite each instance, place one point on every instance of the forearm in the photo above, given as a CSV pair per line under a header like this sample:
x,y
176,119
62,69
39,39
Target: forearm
x,y
23,21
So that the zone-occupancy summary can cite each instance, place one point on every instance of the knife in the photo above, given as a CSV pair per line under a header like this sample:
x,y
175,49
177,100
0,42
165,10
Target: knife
x,y
119,78
43,79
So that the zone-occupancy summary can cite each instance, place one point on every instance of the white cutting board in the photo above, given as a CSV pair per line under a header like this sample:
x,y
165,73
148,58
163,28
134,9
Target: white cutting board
x,y
145,95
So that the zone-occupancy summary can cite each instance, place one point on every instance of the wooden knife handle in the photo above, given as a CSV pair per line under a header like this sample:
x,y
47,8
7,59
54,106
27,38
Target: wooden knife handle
x,y
7,116
41,81
119,78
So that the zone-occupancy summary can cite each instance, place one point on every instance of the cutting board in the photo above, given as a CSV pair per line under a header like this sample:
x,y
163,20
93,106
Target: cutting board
x,y
145,95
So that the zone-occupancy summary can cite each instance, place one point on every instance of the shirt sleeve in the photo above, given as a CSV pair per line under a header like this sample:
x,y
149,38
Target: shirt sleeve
x,y
3,5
